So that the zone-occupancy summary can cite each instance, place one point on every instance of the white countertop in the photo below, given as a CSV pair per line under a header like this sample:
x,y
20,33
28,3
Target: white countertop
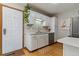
x,y
70,41
40,33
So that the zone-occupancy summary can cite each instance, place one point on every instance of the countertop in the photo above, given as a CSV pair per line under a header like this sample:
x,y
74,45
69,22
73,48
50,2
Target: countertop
x,y
40,33
70,41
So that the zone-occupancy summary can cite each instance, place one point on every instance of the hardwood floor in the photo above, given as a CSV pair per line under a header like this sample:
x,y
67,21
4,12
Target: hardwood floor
x,y
51,50
15,53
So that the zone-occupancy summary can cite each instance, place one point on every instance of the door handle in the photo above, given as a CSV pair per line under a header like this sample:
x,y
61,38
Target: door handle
x,y
4,31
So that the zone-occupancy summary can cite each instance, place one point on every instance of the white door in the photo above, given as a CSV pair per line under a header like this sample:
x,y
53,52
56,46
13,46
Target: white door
x,y
12,30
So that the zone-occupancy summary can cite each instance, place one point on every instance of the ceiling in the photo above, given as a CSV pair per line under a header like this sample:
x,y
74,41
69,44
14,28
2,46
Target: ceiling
x,y
53,8
49,9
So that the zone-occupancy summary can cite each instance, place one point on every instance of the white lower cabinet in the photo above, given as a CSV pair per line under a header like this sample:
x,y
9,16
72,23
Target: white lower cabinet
x,y
33,43
38,41
42,40
46,41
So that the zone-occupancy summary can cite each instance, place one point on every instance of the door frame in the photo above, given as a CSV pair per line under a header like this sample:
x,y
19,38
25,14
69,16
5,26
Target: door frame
x,y
1,29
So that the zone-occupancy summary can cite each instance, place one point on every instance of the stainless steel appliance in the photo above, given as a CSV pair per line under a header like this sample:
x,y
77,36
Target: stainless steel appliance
x,y
51,38
75,27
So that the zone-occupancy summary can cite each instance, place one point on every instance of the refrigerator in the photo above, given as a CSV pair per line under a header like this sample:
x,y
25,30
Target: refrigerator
x,y
75,27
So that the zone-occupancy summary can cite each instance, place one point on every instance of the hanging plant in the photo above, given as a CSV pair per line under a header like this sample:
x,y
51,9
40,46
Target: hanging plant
x,y
26,14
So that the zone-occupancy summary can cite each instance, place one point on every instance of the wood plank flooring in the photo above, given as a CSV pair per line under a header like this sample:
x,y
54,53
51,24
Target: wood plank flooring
x,y
51,50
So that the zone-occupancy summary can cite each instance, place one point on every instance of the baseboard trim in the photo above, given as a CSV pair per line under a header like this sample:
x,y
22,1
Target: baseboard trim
x,y
11,53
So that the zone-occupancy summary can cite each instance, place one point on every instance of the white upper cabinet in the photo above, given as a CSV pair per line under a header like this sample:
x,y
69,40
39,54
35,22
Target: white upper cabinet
x,y
31,17
52,24
35,15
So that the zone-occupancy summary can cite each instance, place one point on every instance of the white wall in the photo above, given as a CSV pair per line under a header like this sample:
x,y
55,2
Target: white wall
x,y
64,16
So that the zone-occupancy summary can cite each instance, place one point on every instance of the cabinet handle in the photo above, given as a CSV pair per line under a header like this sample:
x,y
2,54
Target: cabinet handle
x,y
4,31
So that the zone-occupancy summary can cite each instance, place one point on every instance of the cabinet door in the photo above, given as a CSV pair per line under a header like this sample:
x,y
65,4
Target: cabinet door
x,y
52,24
32,17
42,40
46,39
33,43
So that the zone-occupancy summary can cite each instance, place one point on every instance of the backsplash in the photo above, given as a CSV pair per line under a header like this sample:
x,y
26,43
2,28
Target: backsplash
x,y
34,29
